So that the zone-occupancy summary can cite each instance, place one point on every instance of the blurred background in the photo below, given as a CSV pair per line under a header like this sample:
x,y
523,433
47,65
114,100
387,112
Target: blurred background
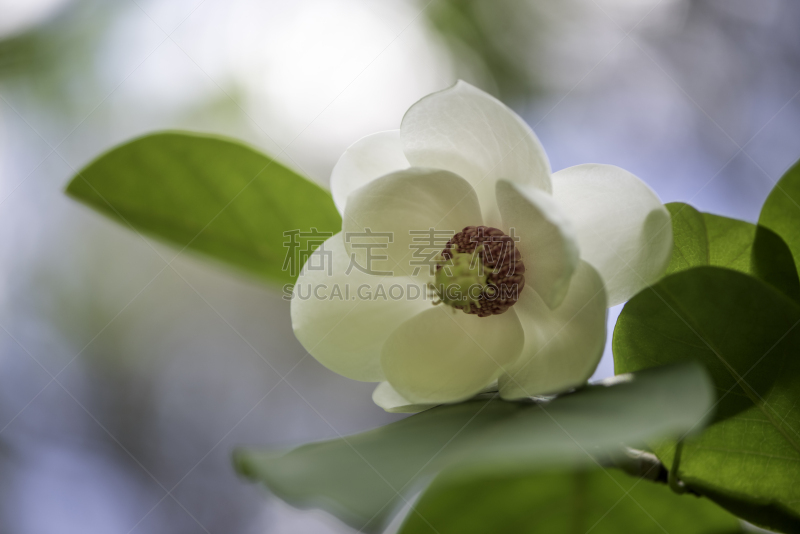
x,y
128,373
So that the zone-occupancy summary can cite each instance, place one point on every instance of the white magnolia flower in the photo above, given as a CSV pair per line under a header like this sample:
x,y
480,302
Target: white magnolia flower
x,y
588,237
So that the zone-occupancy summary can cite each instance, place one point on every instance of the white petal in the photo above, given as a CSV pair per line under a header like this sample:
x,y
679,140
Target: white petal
x,y
343,330
368,158
464,130
390,400
400,210
562,346
446,355
623,229
547,241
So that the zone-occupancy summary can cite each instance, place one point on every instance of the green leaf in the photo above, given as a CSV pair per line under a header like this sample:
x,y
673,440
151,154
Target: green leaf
x,y
746,334
212,195
690,247
781,210
361,478
600,501
730,242
705,239
772,262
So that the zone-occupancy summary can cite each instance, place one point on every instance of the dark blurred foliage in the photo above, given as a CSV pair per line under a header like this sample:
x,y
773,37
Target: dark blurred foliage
x,y
724,52
495,37
706,88
54,61
727,54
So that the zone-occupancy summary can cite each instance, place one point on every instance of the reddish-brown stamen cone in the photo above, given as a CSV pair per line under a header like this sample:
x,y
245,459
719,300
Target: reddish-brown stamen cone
x,y
503,264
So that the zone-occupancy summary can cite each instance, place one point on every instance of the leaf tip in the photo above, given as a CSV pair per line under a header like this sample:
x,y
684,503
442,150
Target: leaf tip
x,y
242,464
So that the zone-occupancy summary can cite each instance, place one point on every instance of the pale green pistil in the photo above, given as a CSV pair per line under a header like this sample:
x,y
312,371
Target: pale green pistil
x,y
461,280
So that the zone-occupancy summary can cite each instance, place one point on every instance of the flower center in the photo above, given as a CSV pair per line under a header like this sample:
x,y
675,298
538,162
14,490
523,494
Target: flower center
x,y
480,271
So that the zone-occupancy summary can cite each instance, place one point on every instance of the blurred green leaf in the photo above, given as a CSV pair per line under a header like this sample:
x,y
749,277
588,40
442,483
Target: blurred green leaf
x,y
706,239
501,39
212,195
781,210
746,334
600,501
360,478
55,63
470,29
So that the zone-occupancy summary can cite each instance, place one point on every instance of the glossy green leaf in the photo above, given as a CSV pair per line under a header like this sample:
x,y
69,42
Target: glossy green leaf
x,y
361,478
781,210
747,335
706,239
214,196
600,501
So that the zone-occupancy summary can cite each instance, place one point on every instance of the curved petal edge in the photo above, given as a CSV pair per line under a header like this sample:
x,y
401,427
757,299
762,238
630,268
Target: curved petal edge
x,y
562,346
445,355
469,132
544,237
391,401
343,320
368,158
623,229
